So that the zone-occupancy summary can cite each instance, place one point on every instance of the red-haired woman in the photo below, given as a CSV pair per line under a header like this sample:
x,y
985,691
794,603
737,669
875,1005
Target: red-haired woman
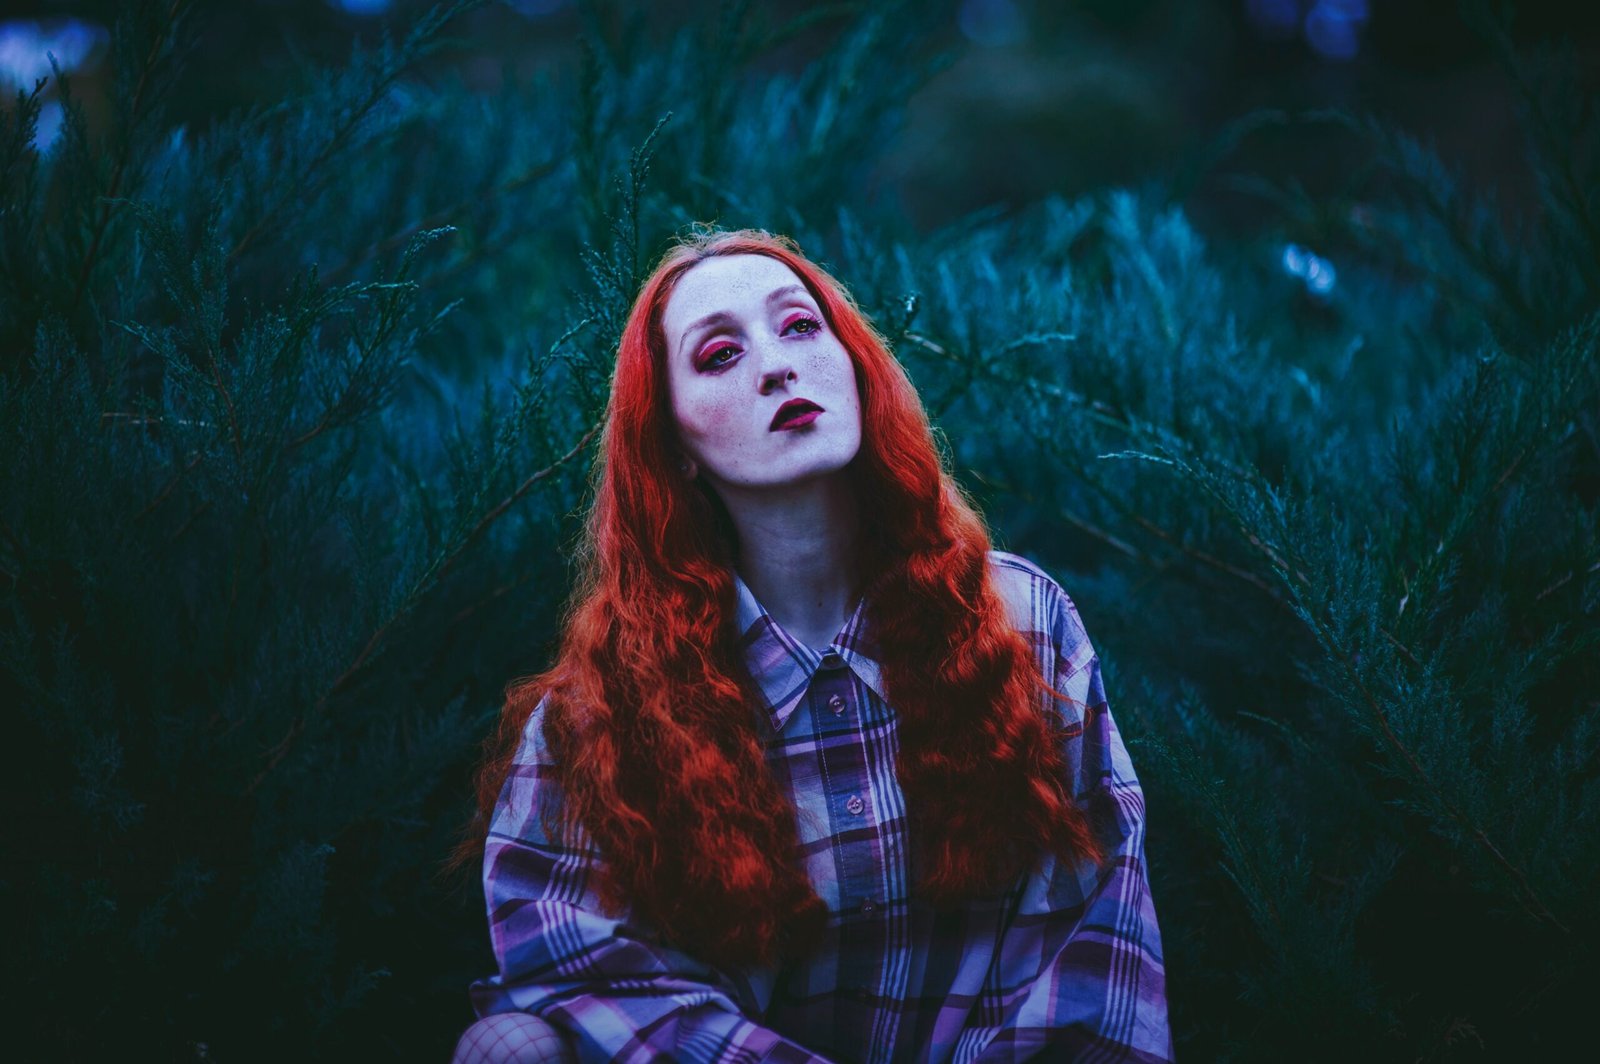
x,y
816,774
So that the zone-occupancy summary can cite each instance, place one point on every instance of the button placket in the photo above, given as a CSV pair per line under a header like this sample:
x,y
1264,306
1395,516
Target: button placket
x,y
846,771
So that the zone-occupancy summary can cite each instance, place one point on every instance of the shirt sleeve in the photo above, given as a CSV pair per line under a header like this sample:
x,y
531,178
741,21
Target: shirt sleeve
x,y
1079,970
608,983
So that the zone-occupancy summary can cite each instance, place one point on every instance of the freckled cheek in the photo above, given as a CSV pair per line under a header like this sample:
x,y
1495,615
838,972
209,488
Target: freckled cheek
x,y
827,361
713,422
833,366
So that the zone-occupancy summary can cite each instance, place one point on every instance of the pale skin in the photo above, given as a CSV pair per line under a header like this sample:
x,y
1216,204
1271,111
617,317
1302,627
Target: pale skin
x,y
785,488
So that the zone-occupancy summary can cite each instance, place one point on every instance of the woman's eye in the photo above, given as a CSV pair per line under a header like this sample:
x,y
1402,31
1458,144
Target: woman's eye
x,y
718,357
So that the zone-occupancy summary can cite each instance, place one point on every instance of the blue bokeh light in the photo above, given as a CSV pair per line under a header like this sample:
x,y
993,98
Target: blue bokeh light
x,y
1317,272
1333,27
363,7
51,115
26,47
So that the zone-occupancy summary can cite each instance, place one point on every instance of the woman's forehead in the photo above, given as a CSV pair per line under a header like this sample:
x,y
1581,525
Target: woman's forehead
x,y
727,282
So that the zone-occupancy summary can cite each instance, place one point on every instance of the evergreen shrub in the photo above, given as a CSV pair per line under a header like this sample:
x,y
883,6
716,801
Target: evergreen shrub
x,y
295,416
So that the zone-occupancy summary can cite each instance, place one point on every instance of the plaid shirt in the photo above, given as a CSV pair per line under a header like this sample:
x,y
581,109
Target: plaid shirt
x,y
1066,965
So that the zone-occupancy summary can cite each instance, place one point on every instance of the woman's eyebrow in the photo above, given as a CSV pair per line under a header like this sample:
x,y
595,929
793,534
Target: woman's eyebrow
x,y
720,316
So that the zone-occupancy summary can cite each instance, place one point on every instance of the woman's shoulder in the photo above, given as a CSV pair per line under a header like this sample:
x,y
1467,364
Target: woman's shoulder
x,y
1020,580
531,787
533,749
1035,601
1005,561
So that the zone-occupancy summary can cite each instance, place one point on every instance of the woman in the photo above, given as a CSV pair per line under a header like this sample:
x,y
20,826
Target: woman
x,y
816,774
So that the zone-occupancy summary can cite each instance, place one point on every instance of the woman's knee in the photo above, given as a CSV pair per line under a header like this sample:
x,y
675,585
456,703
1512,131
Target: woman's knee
x,y
511,1038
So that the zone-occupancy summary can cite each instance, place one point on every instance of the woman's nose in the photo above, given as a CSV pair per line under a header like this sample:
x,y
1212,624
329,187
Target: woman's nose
x,y
782,373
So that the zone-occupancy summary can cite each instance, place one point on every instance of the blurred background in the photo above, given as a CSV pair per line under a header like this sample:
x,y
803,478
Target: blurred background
x,y
1057,97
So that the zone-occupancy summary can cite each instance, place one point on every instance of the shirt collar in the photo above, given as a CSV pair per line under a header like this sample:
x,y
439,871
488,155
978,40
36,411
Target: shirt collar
x,y
782,667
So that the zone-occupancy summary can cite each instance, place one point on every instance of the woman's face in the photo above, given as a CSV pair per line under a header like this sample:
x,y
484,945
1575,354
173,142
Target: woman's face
x,y
763,393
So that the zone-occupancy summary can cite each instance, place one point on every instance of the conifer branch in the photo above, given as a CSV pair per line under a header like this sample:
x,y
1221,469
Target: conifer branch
x,y
1556,143
128,417
1109,416
339,410
1424,779
462,263
1094,531
1463,520
1204,557
1097,410
1241,848
410,51
1404,650
1510,469
1531,900
434,573
170,486
1297,580
235,434
1444,212
324,423
462,615
1114,542
1553,588
510,500
500,592
443,217
188,523
21,124
1176,541
109,201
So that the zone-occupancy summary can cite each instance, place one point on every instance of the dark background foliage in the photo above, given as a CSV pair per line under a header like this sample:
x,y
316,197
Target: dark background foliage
x,y
1268,326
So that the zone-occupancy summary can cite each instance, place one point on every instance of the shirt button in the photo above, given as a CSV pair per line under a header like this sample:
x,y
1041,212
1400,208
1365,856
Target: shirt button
x,y
836,704
869,907
832,660
855,805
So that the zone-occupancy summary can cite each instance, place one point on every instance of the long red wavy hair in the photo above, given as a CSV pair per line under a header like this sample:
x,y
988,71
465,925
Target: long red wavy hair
x,y
649,705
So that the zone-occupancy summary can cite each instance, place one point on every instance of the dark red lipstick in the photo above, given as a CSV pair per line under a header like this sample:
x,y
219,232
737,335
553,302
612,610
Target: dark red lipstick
x,y
793,414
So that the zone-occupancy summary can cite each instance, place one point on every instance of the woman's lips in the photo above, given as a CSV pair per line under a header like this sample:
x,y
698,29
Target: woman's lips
x,y
793,414
795,422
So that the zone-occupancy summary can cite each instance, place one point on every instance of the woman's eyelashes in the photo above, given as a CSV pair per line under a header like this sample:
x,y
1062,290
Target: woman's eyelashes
x,y
803,319
715,358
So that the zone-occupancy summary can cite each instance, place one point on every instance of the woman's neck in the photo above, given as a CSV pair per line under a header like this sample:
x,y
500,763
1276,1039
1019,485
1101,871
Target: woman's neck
x,y
797,552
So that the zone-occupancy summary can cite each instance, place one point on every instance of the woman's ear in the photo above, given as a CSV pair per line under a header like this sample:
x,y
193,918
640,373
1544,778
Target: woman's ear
x,y
687,467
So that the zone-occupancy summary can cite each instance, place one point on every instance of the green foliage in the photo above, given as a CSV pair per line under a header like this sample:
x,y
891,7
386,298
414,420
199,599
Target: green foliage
x,y
296,411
